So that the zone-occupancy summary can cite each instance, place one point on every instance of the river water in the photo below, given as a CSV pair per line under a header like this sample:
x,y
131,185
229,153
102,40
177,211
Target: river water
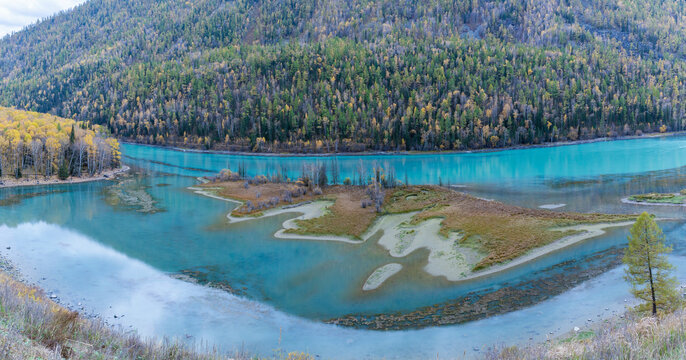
x,y
112,246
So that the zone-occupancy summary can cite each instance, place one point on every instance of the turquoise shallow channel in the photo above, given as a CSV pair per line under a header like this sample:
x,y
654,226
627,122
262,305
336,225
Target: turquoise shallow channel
x,y
118,247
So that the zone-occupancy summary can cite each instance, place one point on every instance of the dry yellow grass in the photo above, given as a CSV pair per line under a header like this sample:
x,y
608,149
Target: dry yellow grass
x,y
34,327
629,337
257,193
503,232
345,217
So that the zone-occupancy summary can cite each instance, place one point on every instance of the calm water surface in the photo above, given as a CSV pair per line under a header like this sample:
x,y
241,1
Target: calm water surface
x,y
74,241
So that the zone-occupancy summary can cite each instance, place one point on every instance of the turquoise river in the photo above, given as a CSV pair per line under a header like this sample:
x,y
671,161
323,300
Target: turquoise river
x,y
144,248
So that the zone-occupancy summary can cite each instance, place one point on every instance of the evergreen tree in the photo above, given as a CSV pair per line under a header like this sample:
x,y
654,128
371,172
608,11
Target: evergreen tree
x,y
648,270
63,172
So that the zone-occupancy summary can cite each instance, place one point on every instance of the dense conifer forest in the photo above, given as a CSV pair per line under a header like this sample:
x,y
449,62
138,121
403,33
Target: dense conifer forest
x,y
353,75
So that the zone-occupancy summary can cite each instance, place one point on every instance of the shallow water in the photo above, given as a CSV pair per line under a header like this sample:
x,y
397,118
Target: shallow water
x,y
101,253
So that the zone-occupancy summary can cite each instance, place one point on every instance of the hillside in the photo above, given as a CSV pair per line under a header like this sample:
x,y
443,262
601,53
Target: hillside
x,y
326,75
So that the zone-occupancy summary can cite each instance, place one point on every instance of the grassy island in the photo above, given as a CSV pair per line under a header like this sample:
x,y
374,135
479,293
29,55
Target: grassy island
x,y
660,198
465,234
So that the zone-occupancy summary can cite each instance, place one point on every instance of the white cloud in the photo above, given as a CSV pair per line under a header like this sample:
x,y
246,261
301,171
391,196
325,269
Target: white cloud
x,y
15,14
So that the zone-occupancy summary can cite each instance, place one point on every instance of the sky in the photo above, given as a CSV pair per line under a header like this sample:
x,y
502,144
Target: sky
x,y
15,14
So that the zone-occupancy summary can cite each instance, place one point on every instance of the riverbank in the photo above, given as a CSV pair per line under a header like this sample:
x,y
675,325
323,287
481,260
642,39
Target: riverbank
x,y
34,325
7,182
627,336
412,152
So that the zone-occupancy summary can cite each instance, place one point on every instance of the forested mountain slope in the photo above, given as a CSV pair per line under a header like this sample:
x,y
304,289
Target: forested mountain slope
x,y
346,75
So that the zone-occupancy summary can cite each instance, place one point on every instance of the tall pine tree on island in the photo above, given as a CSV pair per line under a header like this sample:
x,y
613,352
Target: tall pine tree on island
x,y
648,270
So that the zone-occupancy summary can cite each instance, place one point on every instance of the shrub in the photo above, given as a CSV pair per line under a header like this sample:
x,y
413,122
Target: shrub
x,y
259,180
63,172
287,196
227,175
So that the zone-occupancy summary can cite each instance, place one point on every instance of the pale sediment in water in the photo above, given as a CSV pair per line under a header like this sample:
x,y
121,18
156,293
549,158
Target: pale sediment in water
x,y
129,193
447,257
380,275
208,192
552,206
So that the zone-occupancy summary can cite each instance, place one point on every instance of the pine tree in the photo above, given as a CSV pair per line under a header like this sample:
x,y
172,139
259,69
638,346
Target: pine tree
x,y
72,136
63,172
648,270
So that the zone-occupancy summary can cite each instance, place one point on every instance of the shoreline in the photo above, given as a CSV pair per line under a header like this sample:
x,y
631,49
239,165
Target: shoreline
x,y
409,152
15,273
105,175
98,334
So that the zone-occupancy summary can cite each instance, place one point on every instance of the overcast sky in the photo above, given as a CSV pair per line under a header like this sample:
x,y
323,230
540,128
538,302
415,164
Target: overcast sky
x,y
15,14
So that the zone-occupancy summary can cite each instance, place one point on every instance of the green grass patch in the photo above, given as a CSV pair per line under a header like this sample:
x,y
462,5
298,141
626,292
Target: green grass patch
x,y
659,198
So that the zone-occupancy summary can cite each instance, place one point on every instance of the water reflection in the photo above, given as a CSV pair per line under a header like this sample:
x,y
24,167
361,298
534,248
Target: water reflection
x,y
512,167
107,282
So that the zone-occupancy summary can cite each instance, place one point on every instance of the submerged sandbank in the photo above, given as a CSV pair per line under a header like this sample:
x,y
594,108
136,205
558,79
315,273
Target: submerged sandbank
x,y
552,206
380,275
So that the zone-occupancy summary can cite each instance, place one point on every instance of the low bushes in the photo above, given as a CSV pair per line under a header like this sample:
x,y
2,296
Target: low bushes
x,y
634,337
